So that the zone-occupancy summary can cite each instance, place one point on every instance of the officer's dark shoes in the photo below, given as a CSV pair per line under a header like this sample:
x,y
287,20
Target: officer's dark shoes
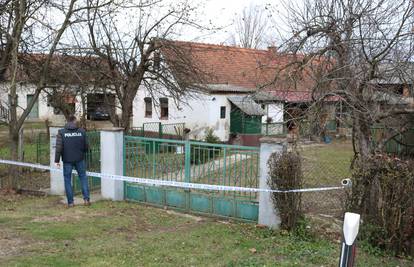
x,y
87,202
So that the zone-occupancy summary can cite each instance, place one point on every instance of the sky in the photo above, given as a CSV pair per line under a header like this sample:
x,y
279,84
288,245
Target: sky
x,y
219,13
222,14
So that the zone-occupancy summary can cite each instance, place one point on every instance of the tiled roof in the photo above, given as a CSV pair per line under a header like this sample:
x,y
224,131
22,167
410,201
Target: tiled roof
x,y
227,88
240,67
291,96
64,69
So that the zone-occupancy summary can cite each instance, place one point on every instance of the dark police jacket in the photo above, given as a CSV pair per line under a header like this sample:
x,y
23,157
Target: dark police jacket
x,y
71,144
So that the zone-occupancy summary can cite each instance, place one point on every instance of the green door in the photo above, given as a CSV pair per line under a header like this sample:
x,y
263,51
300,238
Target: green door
x,y
34,113
242,123
236,120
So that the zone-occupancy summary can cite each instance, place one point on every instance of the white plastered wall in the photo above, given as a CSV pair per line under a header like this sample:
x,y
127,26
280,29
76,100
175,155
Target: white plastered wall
x,y
45,112
273,111
199,112
23,90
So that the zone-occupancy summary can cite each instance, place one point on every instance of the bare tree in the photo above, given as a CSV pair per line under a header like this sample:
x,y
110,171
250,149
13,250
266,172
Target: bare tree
x,y
250,27
24,27
130,47
359,51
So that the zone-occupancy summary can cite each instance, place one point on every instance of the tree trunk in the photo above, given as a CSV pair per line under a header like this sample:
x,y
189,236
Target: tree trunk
x,y
84,107
130,91
126,114
363,137
11,180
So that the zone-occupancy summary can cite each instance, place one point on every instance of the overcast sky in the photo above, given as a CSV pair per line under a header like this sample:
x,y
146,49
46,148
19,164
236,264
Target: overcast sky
x,y
222,14
219,13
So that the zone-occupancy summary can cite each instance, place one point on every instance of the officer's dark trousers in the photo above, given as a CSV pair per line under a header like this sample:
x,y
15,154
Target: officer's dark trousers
x,y
80,167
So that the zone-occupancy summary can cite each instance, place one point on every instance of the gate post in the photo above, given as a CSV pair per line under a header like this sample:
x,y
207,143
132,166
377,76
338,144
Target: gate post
x,y
187,162
267,213
57,184
112,151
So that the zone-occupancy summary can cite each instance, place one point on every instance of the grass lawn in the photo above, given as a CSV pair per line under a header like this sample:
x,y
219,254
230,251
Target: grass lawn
x,y
27,125
31,153
41,232
326,164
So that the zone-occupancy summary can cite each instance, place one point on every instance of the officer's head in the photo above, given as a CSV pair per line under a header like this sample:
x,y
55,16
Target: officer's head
x,y
72,118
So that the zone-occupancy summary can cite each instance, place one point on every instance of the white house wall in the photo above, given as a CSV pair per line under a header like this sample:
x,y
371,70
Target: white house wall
x,y
45,111
23,90
199,112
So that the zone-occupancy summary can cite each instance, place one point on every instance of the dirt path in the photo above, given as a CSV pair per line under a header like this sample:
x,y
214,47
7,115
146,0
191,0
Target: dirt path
x,y
200,171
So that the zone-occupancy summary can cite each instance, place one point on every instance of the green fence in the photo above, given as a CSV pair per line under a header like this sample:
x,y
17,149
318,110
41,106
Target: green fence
x,y
274,128
331,126
194,162
304,126
401,144
93,163
281,128
43,148
159,130
136,131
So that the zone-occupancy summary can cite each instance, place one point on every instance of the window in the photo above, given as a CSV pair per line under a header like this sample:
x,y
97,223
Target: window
x,y
148,107
164,108
34,112
222,112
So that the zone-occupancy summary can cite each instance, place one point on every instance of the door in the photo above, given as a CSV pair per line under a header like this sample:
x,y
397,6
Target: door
x,y
34,113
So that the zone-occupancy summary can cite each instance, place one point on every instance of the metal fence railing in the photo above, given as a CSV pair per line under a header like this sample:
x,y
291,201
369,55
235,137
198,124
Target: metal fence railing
x,y
325,165
136,131
4,113
93,162
34,149
43,148
282,129
400,144
196,162
193,162
172,129
158,130
304,128
274,129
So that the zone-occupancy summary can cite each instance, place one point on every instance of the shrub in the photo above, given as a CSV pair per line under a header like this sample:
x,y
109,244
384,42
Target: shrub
x,y
285,173
204,154
210,137
383,193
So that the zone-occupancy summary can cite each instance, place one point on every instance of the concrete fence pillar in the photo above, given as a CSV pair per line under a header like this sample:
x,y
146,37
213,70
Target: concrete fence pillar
x,y
267,213
57,184
112,145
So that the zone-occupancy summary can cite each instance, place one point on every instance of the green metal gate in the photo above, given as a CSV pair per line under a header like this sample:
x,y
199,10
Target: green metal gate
x,y
194,162
42,148
93,163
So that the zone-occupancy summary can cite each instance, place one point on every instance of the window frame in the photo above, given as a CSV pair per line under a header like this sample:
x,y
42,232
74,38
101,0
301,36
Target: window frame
x,y
223,111
164,106
148,103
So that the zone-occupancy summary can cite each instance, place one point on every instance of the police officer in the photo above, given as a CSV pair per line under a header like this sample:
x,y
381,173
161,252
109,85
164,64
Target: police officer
x,y
71,145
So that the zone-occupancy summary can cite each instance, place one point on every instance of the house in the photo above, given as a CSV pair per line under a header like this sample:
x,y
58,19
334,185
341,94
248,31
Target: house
x,y
222,109
225,101
291,107
76,84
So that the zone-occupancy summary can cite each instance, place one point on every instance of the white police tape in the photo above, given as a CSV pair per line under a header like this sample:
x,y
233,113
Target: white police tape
x,y
345,183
